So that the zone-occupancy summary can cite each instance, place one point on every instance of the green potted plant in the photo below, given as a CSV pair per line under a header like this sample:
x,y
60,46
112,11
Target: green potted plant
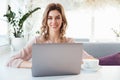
x,y
16,26
17,23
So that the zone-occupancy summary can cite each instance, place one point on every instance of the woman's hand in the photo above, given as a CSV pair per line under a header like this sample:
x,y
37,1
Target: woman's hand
x,y
25,64
87,55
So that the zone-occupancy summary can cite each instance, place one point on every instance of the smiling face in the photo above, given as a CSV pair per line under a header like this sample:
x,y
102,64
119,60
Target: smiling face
x,y
54,21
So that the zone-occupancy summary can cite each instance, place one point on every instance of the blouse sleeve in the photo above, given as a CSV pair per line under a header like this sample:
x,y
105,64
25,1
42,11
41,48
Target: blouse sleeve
x,y
70,40
23,55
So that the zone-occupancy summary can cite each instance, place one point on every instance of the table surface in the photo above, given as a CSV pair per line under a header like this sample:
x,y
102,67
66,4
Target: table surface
x,y
104,73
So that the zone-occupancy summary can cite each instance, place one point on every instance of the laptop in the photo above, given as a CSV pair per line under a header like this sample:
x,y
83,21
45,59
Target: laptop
x,y
56,59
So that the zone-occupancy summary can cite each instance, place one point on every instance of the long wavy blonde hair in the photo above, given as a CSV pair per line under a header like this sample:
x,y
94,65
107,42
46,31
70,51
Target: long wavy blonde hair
x,y
45,28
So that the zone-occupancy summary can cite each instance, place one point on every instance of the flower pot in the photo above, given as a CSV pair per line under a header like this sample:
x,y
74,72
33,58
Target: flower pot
x,y
17,43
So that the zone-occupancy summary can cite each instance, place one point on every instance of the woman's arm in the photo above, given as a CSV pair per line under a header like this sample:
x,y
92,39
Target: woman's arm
x,y
86,55
21,60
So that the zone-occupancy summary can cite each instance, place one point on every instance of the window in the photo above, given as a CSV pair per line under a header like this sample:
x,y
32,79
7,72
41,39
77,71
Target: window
x,y
79,23
105,20
94,24
3,23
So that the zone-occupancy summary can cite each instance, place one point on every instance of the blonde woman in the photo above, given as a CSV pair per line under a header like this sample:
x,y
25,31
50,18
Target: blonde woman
x,y
53,29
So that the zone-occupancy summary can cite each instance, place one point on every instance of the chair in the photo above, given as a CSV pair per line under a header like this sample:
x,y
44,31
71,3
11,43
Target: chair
x,y
113,59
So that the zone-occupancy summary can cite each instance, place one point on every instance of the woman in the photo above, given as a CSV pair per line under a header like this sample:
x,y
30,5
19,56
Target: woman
x,y
53,29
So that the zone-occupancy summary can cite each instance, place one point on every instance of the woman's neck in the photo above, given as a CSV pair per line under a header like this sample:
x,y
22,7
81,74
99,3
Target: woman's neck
x,y
54,37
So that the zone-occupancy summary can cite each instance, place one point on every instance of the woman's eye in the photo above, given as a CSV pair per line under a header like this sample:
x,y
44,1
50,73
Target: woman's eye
x,y
57,17
49,18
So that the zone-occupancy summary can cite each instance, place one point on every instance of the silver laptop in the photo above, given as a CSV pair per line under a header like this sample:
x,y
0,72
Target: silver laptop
x,y
56,59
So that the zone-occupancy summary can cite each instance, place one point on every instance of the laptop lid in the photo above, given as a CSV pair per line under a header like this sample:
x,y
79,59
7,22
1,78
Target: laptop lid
x,y
56,59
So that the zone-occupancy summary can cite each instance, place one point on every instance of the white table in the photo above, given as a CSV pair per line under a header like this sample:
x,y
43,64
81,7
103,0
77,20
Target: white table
x,y
105,73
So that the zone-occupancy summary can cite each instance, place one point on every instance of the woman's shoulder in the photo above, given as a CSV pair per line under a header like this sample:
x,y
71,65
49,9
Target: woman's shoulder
x,y
39,39
35,39
69,40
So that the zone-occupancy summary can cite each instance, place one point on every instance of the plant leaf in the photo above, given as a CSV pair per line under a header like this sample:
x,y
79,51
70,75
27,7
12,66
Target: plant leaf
x,y
25,16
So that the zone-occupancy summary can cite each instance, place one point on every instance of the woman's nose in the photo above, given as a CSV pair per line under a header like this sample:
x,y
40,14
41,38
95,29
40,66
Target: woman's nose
x,y
54,20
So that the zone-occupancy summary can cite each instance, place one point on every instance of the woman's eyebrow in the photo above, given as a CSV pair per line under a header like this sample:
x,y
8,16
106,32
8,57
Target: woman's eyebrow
x,y
55,16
